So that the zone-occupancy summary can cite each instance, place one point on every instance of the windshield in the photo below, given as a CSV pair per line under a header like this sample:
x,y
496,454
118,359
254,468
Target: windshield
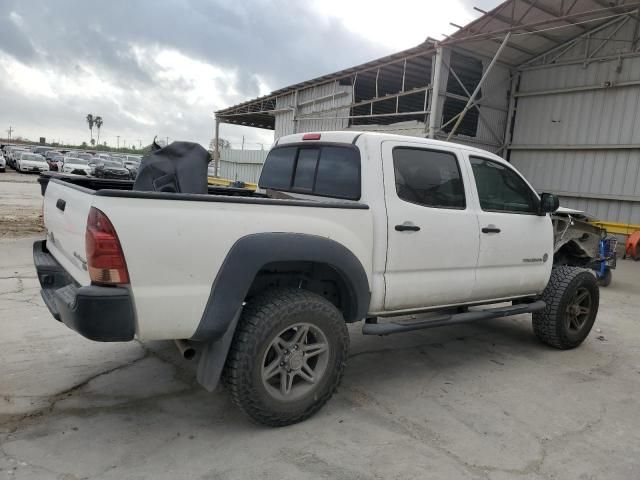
x,y
111,163
85,156
76,161
32,157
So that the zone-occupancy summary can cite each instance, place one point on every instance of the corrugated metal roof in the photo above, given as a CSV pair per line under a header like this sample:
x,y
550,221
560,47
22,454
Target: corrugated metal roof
x,y
536,26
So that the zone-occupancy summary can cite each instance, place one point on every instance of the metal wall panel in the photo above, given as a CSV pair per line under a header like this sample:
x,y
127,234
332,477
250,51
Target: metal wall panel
x,y
560,140
243,165
494,93
284,118
321,107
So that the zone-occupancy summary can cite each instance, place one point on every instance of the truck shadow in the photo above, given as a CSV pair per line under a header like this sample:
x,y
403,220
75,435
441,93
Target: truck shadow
x,y
413,362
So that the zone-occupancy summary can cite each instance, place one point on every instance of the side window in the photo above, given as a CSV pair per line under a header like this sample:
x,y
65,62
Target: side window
x,y
428,177
501,189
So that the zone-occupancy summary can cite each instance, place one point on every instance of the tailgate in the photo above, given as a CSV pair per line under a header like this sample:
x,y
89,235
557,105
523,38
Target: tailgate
x,y
66,208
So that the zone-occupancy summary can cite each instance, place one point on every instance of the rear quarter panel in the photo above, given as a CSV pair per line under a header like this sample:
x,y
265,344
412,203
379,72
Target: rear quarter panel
x,y
174,249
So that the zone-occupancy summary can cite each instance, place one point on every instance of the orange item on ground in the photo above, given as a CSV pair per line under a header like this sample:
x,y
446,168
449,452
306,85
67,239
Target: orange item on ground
x,y
632,248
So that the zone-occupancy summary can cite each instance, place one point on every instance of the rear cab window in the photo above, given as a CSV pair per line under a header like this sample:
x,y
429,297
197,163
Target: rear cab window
x,y
326,170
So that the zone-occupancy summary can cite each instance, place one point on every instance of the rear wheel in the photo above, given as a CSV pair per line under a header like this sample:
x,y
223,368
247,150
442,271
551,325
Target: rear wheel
x,y
287,357
572,297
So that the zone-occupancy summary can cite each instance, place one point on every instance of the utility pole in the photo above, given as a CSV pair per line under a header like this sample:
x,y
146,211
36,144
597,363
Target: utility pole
x,y
140,143
118,141
167,144
9,132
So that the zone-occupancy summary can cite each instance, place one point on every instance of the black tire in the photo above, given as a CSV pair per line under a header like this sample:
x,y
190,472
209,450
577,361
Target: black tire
x,y
605,281
556,325
266,318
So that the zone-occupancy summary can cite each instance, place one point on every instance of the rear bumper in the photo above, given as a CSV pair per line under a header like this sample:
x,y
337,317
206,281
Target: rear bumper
x,y
104,314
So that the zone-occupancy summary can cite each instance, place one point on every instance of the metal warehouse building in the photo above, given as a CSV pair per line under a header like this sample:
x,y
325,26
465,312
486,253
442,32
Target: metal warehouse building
x,y
551,85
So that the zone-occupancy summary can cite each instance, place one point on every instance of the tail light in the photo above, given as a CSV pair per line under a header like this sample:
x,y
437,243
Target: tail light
x,y
311,136
104,254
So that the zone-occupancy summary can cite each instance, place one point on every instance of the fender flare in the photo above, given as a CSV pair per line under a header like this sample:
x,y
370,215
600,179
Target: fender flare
x,y
252,252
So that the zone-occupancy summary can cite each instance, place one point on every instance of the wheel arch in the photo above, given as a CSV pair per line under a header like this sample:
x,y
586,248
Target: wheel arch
x,y
254,255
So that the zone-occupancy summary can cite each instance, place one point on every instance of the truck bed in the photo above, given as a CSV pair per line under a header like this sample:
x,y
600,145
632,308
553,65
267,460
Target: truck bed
x,y
174,244
93,183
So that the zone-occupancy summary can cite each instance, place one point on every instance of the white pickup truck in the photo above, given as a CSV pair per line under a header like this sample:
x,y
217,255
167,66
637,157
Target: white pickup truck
x,y
346,227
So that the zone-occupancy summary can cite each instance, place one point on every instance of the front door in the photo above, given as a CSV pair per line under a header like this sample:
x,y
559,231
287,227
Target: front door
x,y
432,231
516,244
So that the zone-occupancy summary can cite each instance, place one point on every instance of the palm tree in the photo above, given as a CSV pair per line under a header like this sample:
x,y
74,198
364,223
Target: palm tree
x,y
90,121
98,122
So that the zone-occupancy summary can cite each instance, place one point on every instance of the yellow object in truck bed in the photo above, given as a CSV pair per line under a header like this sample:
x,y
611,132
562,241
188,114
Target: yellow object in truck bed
x,y
225,182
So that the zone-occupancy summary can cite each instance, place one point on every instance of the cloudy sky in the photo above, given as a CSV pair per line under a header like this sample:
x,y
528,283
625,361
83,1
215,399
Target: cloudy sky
x,y
161,67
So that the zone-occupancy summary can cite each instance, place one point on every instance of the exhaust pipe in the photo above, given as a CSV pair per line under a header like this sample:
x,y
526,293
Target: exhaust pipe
x,y
186,349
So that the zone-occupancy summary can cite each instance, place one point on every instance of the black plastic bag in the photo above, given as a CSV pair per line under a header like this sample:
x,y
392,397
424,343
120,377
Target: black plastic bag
x,y
180,167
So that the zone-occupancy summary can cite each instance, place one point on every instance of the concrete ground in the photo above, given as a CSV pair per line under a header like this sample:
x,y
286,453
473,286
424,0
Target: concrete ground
x,y
20,204
480,401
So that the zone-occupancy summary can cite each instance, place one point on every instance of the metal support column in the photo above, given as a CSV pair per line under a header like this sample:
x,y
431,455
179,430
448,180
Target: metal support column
x,y
515,78
477,90
434,110
295,112
216,148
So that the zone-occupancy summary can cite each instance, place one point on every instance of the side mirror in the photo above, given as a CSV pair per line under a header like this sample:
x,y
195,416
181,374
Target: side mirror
x,y
549,203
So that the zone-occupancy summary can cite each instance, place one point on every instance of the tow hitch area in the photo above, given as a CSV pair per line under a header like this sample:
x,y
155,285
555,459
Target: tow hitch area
x,y
450,319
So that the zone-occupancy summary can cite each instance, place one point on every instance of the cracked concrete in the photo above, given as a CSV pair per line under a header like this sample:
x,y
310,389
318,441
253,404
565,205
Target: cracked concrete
x,y
483,401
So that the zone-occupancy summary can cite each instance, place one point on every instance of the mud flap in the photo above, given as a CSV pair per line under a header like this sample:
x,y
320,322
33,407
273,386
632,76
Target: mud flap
x,y
214,355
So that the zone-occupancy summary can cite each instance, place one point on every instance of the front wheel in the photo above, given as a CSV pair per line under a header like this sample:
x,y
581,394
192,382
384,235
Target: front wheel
x,y
572,297
287,357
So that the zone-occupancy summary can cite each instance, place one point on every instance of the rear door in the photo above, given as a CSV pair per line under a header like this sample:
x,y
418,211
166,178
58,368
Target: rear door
x,y
433,235
516,244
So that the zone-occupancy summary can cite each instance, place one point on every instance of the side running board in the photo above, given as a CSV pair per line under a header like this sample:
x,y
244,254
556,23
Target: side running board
x,y
451,319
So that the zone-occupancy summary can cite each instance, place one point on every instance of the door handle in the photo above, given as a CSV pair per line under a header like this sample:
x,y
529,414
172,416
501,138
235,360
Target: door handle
x,y
490,229
405,227
61,204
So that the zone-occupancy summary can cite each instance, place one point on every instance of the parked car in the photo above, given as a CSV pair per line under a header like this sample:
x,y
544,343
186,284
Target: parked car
x,y
31,162
49,155
3,163
41,150
109,169
13,154
56,162
132,164
351,227
78,166
84,156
